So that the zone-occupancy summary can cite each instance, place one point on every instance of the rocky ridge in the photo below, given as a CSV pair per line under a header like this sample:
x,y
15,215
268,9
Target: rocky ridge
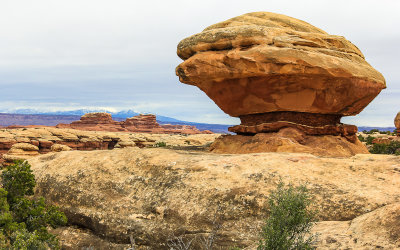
x,y
139,124
48,139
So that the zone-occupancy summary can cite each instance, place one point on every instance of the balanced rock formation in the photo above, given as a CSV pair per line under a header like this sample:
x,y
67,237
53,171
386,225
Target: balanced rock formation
x,y
397,123
273,72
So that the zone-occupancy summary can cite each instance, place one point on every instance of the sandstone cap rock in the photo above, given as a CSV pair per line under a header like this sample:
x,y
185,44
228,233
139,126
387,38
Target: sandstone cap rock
x,y
397,121
264,62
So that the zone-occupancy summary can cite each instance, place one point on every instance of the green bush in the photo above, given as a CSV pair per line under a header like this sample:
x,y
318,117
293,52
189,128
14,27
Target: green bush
x,y
290,220
160,144
392,148
369,139
23,219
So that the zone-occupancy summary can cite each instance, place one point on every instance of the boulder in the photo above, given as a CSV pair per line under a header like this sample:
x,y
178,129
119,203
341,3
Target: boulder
x,y
379,229
21,151
264,62
274,71
59,147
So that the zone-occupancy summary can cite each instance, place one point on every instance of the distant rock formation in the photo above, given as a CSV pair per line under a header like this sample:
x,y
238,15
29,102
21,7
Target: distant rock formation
x,y
140,124
397,123
275,72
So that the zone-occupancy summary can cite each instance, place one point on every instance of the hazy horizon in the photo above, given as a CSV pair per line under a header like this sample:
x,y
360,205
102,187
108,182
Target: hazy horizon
x,y
121,55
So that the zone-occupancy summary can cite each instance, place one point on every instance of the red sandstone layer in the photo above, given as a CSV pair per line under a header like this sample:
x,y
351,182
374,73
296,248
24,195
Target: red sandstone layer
x,y
139,124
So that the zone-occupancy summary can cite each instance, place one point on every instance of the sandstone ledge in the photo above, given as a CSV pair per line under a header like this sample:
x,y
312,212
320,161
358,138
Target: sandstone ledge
x,y
155,193
343,142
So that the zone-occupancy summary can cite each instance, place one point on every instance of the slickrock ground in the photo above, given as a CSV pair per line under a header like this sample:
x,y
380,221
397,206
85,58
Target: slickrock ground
x,y
154,194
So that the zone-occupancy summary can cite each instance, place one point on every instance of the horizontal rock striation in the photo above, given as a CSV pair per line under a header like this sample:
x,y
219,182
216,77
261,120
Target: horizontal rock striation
x,y
49,139
264,62
274,72
140,124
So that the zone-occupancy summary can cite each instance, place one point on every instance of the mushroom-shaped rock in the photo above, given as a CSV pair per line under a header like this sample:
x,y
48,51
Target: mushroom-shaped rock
x,y
275,71
397,123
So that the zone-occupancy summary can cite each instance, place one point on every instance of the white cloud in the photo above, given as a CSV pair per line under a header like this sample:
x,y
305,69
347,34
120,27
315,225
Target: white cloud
x,y
118,53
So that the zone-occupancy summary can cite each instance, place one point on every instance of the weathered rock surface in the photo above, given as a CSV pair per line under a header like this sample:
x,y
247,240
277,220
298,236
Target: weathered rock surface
x,y
289,140
143,122
139,124
21,151
264,62
379,229
72,238
47,139
59,147
397,123
274,72
153,194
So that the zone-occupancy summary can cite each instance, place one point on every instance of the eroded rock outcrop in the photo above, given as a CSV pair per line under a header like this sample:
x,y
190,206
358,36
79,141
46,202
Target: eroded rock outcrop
x,y
273,72
156,194
21,151
139,124
397,123
48,139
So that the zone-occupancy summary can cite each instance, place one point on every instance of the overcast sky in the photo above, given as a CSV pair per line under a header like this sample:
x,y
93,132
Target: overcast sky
x,y
121,54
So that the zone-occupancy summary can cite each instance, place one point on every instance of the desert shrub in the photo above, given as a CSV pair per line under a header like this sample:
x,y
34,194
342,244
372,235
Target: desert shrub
x,y
369,140
392,148
290,220
361,138
371,131
160,144
18,181
23,219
